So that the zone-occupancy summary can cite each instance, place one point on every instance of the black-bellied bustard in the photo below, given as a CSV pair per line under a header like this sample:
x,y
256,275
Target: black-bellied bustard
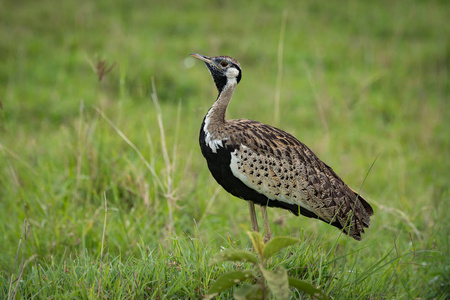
x,y
269,167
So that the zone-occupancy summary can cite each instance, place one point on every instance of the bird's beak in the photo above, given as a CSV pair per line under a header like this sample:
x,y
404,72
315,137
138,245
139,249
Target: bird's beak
x,y
206,59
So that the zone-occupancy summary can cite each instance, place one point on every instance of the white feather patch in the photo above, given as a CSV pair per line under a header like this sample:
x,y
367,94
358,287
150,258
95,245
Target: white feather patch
x,y
214,144
232,73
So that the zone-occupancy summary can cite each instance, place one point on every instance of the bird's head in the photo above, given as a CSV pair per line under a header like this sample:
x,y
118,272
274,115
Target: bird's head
x,y
223,69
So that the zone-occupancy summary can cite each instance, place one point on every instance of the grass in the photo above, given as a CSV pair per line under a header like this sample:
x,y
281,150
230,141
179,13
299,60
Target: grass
x,y
358,80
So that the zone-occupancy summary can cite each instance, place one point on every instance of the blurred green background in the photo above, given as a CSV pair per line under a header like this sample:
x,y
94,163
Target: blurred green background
x,y
360,81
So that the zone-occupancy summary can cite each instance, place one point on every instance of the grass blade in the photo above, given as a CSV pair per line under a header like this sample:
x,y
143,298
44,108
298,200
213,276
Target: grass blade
x,y
306,287
243,256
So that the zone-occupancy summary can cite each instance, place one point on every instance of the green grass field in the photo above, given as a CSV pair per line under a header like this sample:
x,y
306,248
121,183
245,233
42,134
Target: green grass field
x,y
360,82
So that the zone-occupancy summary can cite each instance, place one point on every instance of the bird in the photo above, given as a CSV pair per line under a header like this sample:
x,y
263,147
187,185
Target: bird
x,y
269,167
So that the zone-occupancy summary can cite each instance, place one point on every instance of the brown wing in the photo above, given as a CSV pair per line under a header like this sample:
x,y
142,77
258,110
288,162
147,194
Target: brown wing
x,y
279,166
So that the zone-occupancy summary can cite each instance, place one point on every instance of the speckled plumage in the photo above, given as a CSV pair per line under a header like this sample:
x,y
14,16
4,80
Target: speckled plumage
x,y
270,167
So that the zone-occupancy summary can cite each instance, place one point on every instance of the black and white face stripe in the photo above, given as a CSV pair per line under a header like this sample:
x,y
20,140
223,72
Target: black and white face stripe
x,y
222,69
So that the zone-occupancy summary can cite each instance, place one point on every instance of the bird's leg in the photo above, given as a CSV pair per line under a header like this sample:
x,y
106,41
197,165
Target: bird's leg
x,y
267,232
253,218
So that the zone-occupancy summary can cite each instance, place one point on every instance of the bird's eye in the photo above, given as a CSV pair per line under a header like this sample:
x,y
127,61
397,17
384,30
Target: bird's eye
x,y
224,63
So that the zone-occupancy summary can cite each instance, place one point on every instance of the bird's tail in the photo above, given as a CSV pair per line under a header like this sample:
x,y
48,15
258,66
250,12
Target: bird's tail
x,y
358,218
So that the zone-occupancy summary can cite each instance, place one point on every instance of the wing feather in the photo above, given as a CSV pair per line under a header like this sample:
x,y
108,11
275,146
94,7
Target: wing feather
x,y
277,165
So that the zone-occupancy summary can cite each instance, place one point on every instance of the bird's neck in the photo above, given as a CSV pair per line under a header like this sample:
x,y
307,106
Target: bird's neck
x,y
217,112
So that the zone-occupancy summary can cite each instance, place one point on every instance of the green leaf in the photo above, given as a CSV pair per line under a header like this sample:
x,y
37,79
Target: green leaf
x,y
306,287
278,282
243,256
278,243
227,280
250,292
257,242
